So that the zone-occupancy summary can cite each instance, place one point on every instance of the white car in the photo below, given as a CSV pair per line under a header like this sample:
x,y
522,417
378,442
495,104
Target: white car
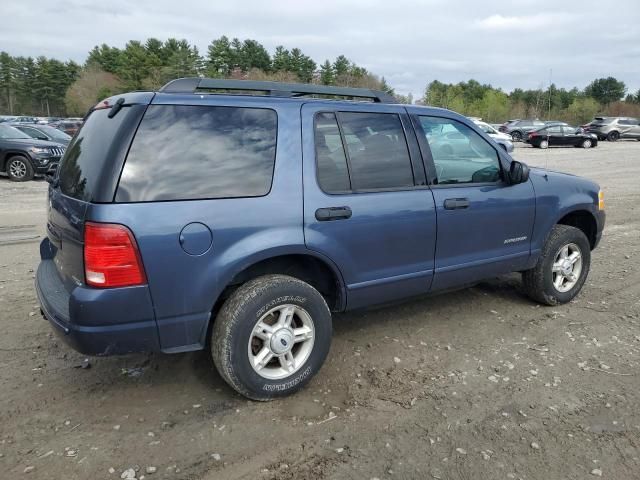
x,y
501,139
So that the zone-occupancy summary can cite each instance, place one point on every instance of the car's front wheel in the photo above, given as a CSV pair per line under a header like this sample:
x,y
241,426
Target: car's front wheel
x,y
271,336
19,169
562,267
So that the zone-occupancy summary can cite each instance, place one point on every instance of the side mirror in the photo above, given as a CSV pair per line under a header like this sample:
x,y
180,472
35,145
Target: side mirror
x,y
518,173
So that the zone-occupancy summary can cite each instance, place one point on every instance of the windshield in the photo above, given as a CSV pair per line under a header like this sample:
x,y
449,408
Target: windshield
x,y
55,133
7,132
486,128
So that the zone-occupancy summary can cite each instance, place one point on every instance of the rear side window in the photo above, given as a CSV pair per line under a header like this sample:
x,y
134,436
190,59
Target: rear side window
x,y
183,152
88,153
377,156
333,174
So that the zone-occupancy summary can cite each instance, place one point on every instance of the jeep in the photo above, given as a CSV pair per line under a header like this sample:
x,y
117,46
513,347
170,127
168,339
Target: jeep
x,y
22,157
236,216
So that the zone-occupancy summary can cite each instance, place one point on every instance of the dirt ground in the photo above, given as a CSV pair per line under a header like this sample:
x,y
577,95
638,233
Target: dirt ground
x,y
476,384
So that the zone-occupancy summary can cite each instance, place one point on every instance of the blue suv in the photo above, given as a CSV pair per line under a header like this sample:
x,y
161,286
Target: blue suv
x,y
236,216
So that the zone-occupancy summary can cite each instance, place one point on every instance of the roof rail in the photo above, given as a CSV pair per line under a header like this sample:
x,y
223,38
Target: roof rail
x,y
274,89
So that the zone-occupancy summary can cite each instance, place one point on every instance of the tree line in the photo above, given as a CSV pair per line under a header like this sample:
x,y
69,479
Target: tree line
x,y
50,87
44,86
602,96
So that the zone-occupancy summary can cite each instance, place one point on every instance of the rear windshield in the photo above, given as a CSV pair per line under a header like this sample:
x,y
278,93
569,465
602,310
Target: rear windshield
x,y
85,158
183,152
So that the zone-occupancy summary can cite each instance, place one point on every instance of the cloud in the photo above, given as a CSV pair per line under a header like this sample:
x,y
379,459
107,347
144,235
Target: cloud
x,y
408,42
524,22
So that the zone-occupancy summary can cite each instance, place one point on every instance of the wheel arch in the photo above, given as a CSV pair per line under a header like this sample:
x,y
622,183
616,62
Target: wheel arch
x,y
306,265
13,153
583,220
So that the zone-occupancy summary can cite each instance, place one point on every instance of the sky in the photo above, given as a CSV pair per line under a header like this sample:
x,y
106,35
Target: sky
x,y
509,44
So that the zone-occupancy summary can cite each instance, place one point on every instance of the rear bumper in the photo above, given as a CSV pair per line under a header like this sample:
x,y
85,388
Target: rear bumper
x,y
97,322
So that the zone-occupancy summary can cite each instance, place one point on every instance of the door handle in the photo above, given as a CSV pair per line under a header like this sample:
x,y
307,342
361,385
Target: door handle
x,y
456,203
333,213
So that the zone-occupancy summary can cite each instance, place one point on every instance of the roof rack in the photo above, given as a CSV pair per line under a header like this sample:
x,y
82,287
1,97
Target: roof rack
x,y
274,89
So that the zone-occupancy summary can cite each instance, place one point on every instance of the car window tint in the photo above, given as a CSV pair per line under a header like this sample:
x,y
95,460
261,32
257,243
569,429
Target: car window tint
x,y
185,152
568,130
467,158
333,174
377,151
89,153
554,129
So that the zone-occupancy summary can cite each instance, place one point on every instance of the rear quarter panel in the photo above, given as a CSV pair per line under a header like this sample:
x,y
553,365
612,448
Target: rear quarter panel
x,y
185,287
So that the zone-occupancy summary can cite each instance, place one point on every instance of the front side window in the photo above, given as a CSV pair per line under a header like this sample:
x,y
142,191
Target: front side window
x,y
183,152
460,155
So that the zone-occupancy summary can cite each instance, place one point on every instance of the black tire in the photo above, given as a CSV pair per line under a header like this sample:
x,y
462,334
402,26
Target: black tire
x,y
544,144
19,169
613,136
516,136
587,143
538,282
233,327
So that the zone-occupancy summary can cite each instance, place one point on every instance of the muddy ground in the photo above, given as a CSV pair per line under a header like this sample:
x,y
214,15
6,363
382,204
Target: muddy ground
x,y
485,384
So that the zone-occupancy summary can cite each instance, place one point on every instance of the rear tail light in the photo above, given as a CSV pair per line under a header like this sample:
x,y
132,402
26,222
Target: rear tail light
x,y
533,134
111,256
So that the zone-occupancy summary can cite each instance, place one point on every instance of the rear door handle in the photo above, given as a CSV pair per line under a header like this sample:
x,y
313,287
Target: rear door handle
x,y
333,213
456,203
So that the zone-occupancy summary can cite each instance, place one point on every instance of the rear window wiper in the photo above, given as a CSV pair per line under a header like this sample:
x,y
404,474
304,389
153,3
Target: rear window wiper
x,y
116,108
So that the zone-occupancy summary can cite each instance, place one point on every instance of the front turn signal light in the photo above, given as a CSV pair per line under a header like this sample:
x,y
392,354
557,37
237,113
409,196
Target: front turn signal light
x,y
600,200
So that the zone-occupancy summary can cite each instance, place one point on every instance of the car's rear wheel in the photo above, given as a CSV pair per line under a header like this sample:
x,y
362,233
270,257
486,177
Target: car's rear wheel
x,y
613,136
544,144
586,143
516,136
271,336
19,169
562,267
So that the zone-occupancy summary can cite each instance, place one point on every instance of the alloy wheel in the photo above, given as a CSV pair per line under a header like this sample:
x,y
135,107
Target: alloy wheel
x,y
281,342
567,267
17,169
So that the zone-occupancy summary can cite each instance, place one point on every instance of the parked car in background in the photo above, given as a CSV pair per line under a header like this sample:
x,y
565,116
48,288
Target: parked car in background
x,y
561,136
6,118
614,128
44,132
25,120
70,127
22,157
500,138
182,220
518,129
554,122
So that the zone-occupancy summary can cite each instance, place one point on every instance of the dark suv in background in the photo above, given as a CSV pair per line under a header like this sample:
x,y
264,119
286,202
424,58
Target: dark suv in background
x,y
44,132
236,216
22,157
614,128
518,129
